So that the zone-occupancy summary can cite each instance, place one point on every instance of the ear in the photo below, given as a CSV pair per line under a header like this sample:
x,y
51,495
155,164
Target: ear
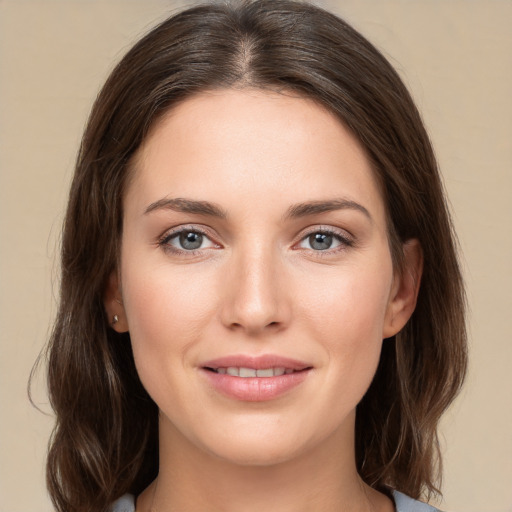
x,y
113,303
405,288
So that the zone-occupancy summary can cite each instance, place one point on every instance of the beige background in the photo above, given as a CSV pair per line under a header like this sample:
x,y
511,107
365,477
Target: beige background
x,y
456,57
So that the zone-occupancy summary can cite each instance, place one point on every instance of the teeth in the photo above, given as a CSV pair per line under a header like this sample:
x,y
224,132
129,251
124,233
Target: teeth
x,y
247,372
268,372
251,372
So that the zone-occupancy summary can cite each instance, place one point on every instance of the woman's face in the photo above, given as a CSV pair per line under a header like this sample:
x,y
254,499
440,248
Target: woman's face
x,y
256,275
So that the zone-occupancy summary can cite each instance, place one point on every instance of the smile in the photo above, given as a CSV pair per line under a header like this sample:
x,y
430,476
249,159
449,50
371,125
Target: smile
x,y
243,372
254,379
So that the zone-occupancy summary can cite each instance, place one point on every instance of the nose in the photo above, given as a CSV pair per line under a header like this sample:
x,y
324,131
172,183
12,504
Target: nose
x,y
255,295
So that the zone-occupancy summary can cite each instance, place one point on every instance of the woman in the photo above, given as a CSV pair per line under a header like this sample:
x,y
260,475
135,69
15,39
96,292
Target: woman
x,y
242,325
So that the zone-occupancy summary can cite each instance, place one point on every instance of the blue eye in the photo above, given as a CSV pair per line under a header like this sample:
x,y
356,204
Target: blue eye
x,y
320,241
186,240
190,240
324,240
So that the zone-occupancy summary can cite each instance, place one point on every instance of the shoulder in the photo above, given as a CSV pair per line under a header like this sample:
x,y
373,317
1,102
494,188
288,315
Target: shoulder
x,y
125,503
405,504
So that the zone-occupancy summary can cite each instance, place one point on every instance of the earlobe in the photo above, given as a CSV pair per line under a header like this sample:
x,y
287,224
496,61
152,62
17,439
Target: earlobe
x,y
113,303
404,292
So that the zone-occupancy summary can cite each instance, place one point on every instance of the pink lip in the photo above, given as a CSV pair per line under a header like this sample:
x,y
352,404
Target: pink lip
x,y
256,362
255,389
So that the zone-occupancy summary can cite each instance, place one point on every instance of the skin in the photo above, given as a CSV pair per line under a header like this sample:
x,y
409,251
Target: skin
x,y
257,285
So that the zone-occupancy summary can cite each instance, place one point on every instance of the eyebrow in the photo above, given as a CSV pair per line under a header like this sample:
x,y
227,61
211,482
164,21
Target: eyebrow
x,y
316,207
187,206
294,212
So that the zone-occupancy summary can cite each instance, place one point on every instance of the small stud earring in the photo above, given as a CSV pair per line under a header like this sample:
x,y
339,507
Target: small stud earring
x,y
115,319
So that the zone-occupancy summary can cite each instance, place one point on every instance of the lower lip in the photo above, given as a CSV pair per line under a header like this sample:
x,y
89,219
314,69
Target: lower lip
x,y
255,389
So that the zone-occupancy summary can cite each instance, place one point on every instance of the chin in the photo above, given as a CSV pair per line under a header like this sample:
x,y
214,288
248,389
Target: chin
x,y
257,454
264,444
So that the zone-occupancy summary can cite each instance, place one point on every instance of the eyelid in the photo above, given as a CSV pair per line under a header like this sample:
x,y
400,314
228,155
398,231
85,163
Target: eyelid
x,y
163,239
345,238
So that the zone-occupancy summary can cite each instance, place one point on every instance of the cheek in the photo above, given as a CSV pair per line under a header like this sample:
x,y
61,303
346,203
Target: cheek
x,y
348,317
167,310
351,302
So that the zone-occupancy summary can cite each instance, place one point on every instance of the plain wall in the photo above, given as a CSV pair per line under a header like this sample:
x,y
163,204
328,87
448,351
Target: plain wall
x,y
456,57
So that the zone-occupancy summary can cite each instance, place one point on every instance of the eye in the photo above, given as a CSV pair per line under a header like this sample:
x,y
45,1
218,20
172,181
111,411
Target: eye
x,y
323,240
186,240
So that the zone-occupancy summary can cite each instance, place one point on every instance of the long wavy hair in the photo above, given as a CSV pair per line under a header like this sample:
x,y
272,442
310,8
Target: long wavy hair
x,y
105,441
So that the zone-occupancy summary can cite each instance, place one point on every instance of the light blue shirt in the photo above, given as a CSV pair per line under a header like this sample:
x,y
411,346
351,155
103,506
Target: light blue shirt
x,y
402,503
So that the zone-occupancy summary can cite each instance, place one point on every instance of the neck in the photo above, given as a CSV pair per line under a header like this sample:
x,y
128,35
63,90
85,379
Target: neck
x,y
191,479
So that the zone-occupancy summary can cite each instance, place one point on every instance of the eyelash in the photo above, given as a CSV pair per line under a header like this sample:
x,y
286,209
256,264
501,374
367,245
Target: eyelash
x,y
163,242
344,240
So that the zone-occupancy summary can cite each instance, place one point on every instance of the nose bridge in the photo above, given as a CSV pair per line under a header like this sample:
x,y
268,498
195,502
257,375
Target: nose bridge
x,y
256,299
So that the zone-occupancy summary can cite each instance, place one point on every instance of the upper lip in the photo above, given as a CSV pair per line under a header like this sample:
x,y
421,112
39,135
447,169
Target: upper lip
x,y
256,362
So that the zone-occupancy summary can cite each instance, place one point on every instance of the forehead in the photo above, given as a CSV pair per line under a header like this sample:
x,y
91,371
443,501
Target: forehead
x,y
237,143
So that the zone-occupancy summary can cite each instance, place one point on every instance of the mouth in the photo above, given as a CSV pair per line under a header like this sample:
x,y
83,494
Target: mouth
x,y
244,372
255,379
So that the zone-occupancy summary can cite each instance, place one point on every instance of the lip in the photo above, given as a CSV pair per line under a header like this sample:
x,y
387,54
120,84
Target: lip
x,y
255,389
256,362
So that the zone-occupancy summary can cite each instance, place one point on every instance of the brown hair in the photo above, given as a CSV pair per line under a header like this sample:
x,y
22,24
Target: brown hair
x,y
105,440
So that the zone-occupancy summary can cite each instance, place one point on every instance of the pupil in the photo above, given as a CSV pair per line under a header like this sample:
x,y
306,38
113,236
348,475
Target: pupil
x,y
191,240
320,241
